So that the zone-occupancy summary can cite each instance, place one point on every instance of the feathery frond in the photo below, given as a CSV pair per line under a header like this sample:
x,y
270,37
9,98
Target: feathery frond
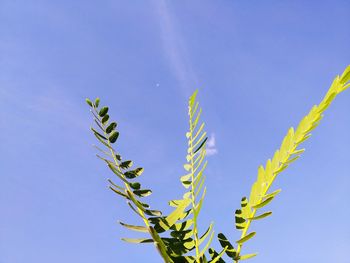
x,y
128,189
288,152
176,236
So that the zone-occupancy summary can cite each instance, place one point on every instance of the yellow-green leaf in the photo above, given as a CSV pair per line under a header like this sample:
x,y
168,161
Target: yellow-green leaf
x,y
260,216
111,127
274,193
113,136
135,228
247,256
246,238
175,215
103,111
88,101
97,102
263,203
138,240
187,166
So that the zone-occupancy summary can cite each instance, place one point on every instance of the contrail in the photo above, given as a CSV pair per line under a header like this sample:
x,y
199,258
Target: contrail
x,y
175,48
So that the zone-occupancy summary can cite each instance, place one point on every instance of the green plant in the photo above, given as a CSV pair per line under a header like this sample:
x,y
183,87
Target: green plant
x,y
176,236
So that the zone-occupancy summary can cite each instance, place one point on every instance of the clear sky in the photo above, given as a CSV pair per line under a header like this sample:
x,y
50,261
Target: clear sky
x,y
259,67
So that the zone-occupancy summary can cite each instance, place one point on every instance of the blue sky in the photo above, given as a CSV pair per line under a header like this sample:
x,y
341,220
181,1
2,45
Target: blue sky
x,y
259,67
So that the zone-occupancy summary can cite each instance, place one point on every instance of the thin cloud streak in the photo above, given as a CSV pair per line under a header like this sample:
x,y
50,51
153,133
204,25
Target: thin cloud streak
x,y
175,48
211,145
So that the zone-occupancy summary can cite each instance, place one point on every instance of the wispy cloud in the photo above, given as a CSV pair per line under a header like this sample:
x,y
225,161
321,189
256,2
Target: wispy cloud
x,y
175,47
51,105
211,145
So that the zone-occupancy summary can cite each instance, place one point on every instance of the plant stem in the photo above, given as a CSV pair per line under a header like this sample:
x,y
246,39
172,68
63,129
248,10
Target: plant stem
x,y
166,258
193,198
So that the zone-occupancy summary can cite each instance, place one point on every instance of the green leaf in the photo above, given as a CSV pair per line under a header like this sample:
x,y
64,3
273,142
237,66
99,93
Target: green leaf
x,y
88,102
153,212
126,164
273,194
186,180
105,119
98,134
183,225
171,219
103,111
345,77
246,207
113,136
201,145
206,234
97,102
260,216
198,206
200,129
183,234
135,186
102,151
144,205
134,209
138,240
143,193
299,151
195,122
134,173
246,238
263,203
193,98
101,140
247,256
215,256
138,171
111,127
187,167
98,124
160,245
206,247
119,158
115,171
136,202
199,188
239,220
118,192
293,159
116,186
230,250
135,228
174,203
281,169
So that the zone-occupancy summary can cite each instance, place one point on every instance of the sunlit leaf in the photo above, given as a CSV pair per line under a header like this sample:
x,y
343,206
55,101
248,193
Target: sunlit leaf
x,y
138,240
126,164
103,111
245,238
97,102
88,101
230,250
263,203
142,193
260,216
135,228
135,186
113,136
247,256
111,127
105,119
